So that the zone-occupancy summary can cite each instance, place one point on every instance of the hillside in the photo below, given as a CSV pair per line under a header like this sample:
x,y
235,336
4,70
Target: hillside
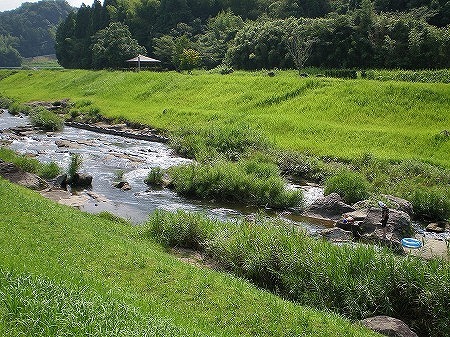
x,y
68,273
33,25
325,117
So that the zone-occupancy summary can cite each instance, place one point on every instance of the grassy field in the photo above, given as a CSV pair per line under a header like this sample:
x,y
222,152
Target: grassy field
x,y
64,272
326,117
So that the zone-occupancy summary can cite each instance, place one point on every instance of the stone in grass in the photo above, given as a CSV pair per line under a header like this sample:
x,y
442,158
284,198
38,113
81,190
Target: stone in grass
x,y
388,326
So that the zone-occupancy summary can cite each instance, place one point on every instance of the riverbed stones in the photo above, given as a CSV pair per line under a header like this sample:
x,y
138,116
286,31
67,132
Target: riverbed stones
x,y
67,144
329,207
388,326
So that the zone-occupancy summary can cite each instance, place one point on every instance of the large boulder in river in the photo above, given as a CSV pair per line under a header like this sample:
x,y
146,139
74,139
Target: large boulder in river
x,y
329,207
388,326
80,180
399,222
400,204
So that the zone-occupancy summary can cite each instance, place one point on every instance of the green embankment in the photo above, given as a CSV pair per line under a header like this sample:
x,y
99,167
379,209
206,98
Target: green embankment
x,y
327,117
64,272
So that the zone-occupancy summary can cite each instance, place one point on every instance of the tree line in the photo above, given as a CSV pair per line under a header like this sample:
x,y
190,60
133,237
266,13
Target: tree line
x,y
30,30
256,34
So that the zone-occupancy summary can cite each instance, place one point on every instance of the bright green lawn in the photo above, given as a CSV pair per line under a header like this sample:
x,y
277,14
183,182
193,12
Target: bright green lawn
x,y
68,264
344,118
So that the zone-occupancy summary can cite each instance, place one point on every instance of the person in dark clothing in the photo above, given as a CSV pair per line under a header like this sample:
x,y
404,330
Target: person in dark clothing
x,y
384,217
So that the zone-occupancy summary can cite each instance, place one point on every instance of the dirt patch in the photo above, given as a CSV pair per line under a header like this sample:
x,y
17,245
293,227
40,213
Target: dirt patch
x,y
195,258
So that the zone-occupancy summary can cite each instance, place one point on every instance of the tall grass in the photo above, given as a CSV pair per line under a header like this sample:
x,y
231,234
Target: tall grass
x,y
76,160
46,120
357,281
328,117
351,186
38,306
249,181
44,170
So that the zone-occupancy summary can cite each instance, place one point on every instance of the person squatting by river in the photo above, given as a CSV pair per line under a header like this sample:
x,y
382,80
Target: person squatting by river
x,y
384,217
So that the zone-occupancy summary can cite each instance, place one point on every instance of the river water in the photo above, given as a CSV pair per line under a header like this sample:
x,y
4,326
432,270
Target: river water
x,y
105,156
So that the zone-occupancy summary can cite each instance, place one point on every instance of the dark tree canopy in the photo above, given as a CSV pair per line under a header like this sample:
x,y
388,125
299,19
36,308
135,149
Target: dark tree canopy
x,y
257,34
34,26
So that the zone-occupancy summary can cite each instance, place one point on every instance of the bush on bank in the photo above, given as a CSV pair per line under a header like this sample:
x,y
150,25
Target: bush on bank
x,y
356,281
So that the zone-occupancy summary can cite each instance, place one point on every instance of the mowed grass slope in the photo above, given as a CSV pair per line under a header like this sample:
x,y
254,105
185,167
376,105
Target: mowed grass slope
x,y
64,272
327,117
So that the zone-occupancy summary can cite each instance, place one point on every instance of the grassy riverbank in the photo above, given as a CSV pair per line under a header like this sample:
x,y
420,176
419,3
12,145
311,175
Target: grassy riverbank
x,y
64,272
325,117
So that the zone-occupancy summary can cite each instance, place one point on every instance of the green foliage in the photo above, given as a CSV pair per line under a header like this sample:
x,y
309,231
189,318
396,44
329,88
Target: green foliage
x,y
341,73
430,203
44,170
33,26
76,160
189,59
113,45
155,177
16,108
351,186
249,181
9,56
46,120
425,76
282,258
63,263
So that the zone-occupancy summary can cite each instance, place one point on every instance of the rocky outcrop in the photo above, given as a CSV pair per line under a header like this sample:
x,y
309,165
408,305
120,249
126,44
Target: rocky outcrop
x,y
388,326
329,207
400,204
18,176
123,185
80,180
438,227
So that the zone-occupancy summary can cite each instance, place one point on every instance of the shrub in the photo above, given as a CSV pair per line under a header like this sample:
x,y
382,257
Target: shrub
x,y
155,177
17,108
46,120
430,203
49,171
342,73
249,182
356,281
76,161
351,186
46,171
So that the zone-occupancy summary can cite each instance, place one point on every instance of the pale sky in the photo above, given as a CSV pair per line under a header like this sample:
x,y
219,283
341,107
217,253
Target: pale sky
x,y
6,5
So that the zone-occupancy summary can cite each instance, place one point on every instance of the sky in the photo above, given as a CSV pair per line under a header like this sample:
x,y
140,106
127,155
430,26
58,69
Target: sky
x,y
6,5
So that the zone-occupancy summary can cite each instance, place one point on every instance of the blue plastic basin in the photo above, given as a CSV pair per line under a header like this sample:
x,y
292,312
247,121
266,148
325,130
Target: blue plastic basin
x,y
411,243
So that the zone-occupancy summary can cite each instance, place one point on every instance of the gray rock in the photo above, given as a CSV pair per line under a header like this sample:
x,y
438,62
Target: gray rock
x,y
336,235
80,180
16,175
401,204
123,185
436,227
388,326
399,222
329,207
61,180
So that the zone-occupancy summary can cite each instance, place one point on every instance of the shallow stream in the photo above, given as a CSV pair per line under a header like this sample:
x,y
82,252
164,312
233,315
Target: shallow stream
x,y
105,157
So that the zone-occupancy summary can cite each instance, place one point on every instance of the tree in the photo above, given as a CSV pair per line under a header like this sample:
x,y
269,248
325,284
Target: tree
x,y
300,47
9,56
113,45
190,59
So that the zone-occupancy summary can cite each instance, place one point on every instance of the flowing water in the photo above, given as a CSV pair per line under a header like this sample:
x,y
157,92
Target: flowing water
x,y
106,157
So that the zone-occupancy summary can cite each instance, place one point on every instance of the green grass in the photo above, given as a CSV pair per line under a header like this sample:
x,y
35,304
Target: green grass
x,y
358,281
46,171
251,182
326,117
80,271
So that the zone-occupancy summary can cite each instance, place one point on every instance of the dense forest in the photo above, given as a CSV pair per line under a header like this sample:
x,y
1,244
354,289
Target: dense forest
x,y
30,30
256,34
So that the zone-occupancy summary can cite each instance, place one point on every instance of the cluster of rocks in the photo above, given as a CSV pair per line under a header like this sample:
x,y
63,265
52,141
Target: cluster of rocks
x,y
53,106
366,221
16,175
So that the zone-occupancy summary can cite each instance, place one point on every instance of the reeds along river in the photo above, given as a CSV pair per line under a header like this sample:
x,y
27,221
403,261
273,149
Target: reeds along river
x,y
107,157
